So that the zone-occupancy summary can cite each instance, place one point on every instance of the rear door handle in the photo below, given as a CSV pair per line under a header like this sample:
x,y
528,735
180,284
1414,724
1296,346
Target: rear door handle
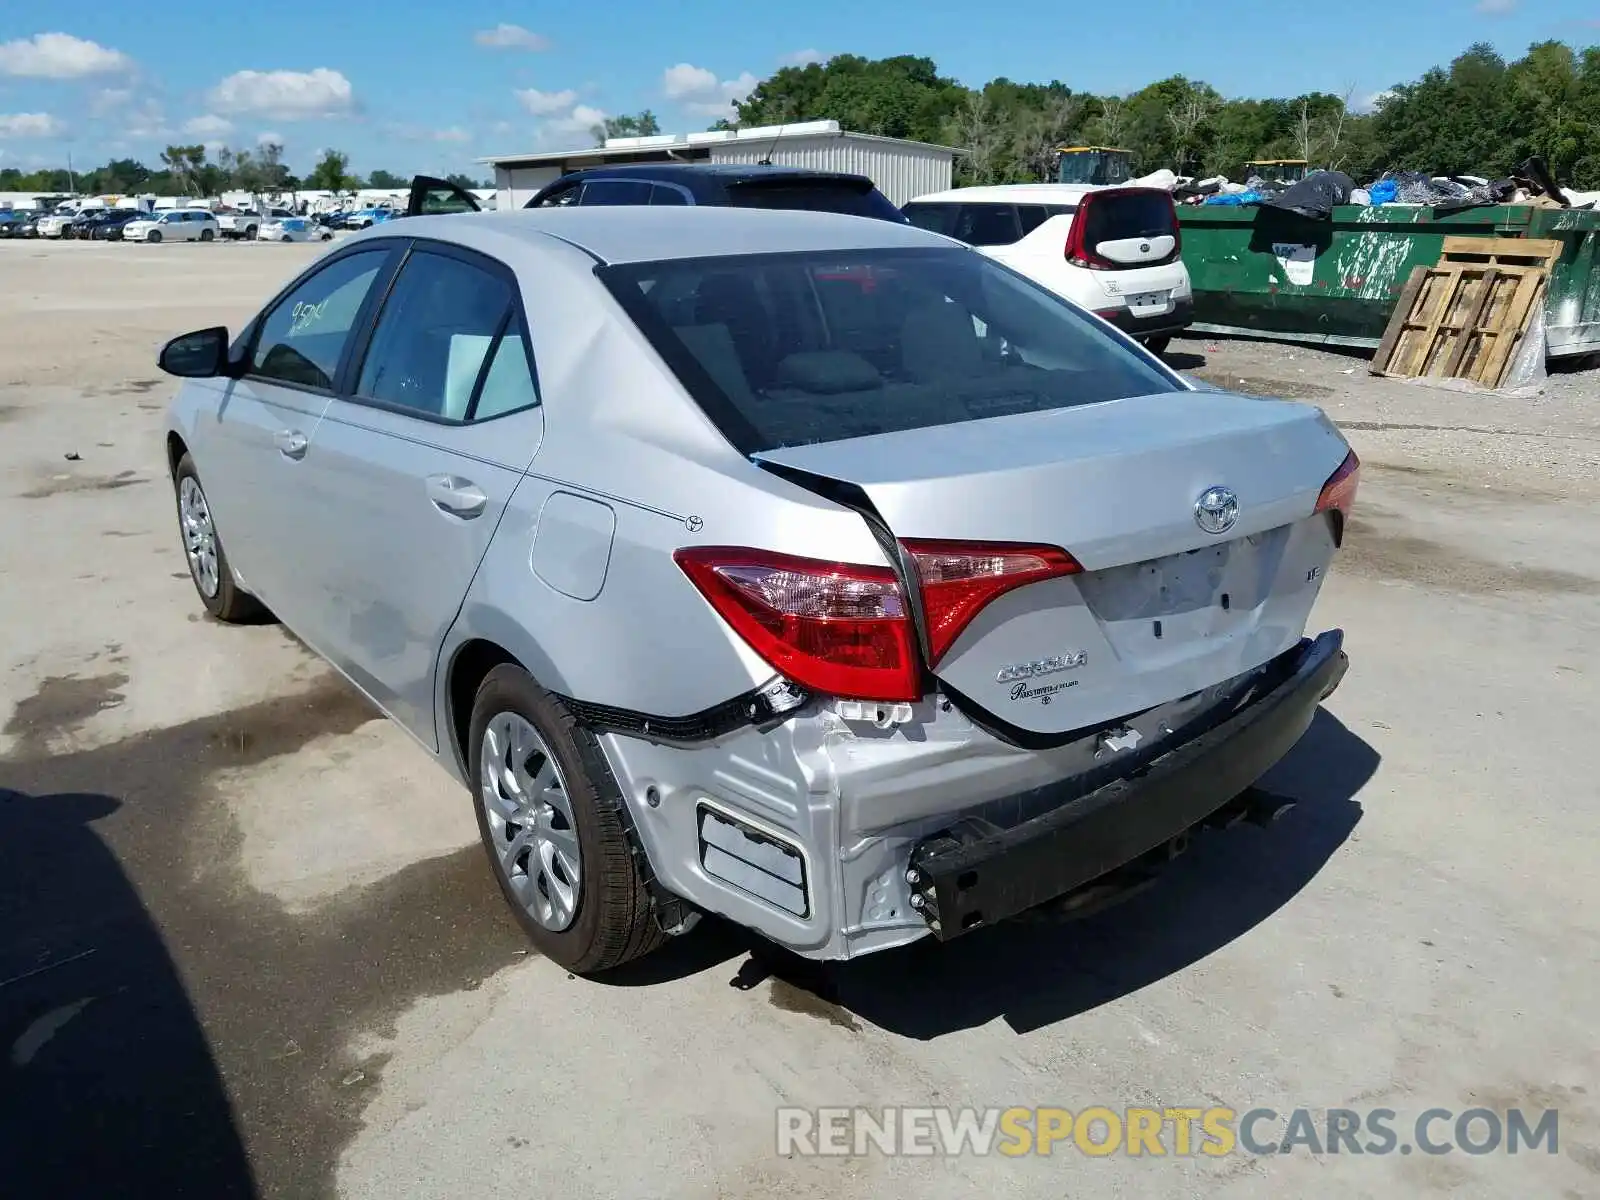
x,y
291,443
456,496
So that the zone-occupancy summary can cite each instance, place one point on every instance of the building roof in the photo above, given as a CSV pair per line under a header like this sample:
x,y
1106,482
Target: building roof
x,y
624,147
639,233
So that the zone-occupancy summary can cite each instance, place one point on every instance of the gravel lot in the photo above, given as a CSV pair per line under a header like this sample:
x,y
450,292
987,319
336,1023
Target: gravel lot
x,y
248,947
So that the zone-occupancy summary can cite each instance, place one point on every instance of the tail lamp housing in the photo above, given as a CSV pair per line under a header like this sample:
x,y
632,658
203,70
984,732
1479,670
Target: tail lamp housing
x,y
847,629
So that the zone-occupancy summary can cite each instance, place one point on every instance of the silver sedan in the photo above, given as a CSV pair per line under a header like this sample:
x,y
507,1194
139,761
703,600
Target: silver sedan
x,y
813,571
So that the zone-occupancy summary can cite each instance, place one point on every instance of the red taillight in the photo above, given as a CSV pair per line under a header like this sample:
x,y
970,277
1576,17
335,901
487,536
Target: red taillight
x,y
1339,493
838,628
960,578
1077,250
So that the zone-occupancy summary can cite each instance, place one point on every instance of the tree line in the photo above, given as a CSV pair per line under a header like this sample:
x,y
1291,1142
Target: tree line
x,y
1478,115
196,171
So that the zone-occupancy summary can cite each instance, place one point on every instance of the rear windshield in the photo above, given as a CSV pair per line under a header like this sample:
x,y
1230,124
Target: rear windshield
x,y
791,349
1129,215
820,195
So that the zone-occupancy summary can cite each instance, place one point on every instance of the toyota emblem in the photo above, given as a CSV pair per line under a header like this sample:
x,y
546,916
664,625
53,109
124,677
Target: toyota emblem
x,y
1216,510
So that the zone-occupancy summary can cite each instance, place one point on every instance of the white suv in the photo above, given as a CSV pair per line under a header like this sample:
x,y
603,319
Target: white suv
x,y
1111,250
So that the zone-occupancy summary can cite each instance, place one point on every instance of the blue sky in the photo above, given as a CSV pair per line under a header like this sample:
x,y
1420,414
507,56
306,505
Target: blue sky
x,y
425,85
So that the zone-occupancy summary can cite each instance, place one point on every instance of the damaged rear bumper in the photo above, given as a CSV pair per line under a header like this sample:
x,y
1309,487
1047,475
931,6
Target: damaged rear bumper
x,y
810,829
974,875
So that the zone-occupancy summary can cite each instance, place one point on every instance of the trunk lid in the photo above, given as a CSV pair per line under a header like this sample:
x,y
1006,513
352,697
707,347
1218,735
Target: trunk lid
x,y
1162,607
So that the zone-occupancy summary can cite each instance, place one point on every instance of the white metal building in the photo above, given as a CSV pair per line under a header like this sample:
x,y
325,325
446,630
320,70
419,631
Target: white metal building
x,y
901,169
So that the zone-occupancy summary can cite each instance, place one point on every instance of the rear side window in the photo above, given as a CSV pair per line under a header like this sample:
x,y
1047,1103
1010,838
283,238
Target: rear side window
x,y
1120,215
813,195
662,193
615,191
441,330
975,224
783,350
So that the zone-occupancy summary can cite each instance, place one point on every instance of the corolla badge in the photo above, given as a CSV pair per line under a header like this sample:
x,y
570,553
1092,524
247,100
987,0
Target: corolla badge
x,y
1041,666
1216,510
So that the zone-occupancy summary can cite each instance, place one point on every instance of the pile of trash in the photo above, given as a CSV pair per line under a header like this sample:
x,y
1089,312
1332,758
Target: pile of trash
x,y
1320,192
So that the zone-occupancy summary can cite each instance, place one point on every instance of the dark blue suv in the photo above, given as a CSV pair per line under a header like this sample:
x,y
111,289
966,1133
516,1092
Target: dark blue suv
x,y
726,185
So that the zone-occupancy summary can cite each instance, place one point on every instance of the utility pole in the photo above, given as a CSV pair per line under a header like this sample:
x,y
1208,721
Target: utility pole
x,y
72,182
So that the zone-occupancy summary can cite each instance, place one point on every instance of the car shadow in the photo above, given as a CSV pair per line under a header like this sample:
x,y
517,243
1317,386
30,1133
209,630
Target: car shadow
x,y
107,1082
1034,973
1182,360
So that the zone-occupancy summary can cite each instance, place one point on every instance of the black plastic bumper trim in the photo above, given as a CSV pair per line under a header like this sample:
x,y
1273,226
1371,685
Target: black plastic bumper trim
x,y
974,876
1180,318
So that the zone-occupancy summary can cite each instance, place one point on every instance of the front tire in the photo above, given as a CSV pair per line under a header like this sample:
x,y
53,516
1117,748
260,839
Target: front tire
x,y
208,563
152,237
554,824
207,235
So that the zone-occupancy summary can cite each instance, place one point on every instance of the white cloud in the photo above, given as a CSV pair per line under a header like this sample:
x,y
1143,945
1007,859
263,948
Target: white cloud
x,y
269,138
1496,8
60,56
30,125
801,58
417,133
700,91
511,37
106,101
578,122
208,125
542,104
145,120
288,94
1371,101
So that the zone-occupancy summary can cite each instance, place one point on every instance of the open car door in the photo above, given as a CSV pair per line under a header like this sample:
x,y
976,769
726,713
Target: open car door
x,y
431,197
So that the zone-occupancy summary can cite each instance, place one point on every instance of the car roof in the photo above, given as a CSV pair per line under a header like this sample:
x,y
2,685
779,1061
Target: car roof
x,y
638,233
1013,193
680,171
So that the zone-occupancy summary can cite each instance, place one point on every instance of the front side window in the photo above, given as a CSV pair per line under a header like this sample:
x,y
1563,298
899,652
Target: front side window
x,y
304,336
560,198
790,349
665,193
441,323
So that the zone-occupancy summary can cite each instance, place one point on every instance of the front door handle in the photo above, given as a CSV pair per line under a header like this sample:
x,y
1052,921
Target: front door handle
x,y
456,496
291,443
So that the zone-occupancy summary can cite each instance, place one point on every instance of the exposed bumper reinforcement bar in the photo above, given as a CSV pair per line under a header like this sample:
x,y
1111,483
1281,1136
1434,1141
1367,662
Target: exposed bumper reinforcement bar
x,y
974,876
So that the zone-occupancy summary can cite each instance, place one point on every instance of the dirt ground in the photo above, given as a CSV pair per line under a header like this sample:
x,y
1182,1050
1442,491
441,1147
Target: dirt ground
x,y
248,945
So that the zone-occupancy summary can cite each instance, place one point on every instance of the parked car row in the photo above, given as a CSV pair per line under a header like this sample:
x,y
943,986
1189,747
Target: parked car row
x,y
166,225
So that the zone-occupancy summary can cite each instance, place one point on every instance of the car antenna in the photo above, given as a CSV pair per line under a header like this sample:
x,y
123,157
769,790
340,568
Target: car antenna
x,y
766,159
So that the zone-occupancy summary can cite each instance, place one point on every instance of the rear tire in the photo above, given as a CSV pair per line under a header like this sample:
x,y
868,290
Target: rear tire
x,y
539,780
202,545
1158,343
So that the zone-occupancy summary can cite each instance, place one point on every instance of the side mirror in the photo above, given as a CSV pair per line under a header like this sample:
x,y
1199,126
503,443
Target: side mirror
x,y
199,355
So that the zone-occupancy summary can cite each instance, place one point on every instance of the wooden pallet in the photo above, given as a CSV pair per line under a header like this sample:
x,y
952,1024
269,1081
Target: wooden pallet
x,y
1464,317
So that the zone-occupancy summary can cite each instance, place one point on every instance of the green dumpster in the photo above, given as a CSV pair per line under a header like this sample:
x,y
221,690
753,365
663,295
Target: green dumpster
x,y
1268,272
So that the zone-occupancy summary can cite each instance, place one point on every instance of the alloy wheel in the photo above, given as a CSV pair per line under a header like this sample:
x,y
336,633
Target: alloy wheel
x,y
199,536
529,818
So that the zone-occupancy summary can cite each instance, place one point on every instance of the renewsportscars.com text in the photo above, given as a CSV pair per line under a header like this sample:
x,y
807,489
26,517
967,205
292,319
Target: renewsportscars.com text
x,y
1212,1131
